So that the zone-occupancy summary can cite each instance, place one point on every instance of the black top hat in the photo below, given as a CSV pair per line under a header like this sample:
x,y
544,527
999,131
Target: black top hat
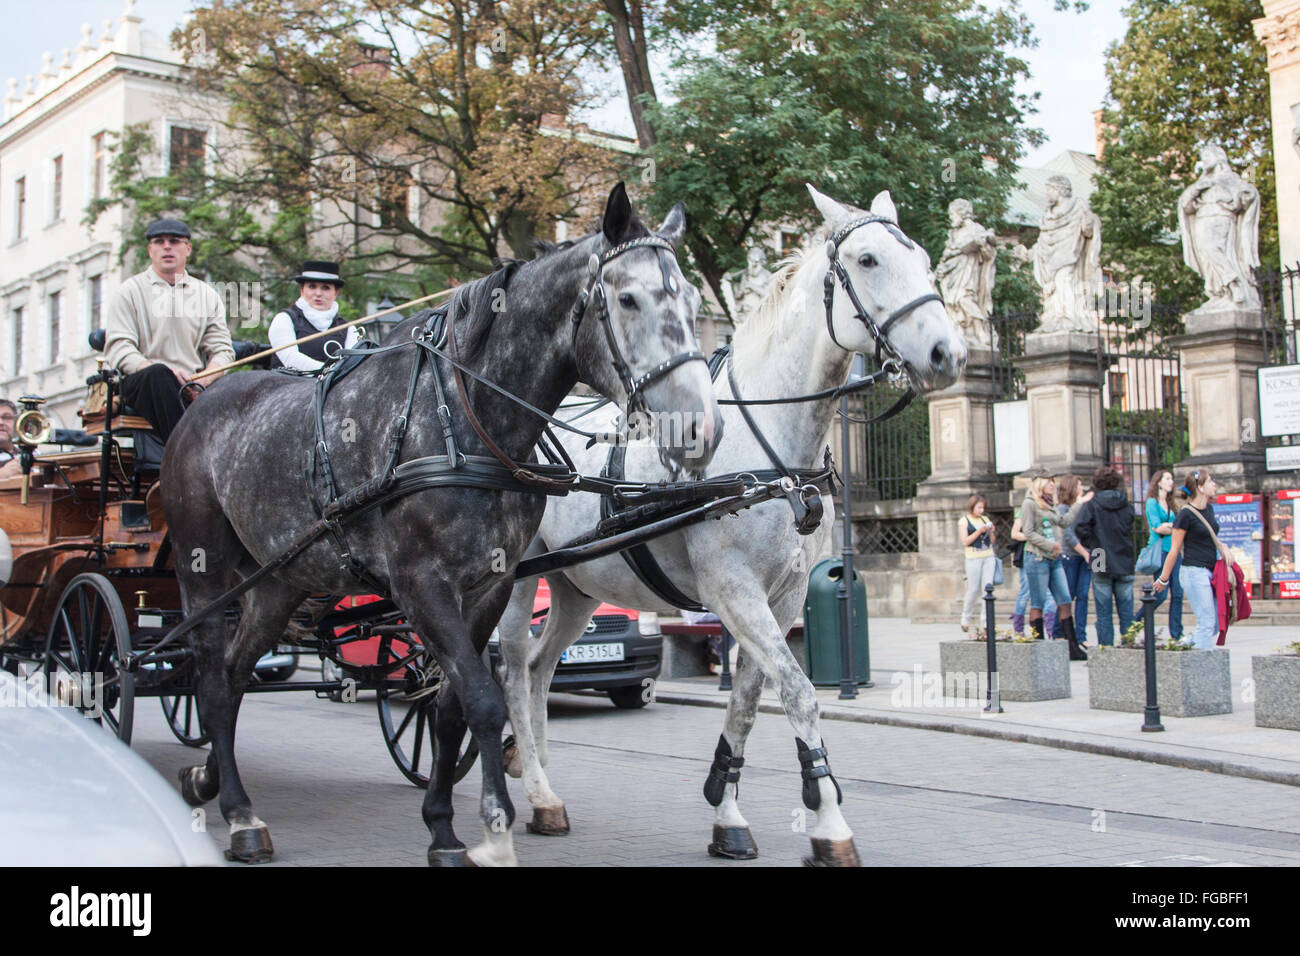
x,y
167,227
316,271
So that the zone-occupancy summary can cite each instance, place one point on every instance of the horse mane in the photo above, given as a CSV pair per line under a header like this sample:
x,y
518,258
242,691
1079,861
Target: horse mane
x,y
770,321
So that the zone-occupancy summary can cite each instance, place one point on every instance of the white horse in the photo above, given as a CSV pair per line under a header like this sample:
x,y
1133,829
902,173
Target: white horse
x,y
751,570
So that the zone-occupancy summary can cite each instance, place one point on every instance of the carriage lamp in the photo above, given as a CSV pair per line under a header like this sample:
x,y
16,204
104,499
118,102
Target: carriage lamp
x,y
30,429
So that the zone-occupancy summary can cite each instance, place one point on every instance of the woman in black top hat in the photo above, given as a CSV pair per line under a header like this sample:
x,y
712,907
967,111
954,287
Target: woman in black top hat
x,y
315,311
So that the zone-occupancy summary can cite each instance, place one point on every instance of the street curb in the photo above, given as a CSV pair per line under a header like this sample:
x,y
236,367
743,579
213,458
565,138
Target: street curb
x,y
1188,762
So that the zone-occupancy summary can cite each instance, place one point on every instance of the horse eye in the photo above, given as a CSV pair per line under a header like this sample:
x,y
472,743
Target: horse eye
x,y
627,300
867,260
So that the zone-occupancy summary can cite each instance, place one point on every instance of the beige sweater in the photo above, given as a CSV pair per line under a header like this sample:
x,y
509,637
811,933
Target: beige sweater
x,y
181,325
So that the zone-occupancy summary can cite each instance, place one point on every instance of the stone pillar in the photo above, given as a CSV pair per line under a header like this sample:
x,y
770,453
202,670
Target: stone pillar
x,y
1221,352
1279,31
961,456
1063,387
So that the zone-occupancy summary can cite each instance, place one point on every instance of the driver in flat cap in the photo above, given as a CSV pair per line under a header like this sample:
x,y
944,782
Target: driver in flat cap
x,y
164,329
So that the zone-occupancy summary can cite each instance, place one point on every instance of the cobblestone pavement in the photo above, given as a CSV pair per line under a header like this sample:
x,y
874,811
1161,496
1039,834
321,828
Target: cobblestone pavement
x,y
319,774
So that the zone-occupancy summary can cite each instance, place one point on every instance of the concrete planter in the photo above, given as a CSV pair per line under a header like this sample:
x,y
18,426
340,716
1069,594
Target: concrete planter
x,y
1277,690
1188,683
1039,670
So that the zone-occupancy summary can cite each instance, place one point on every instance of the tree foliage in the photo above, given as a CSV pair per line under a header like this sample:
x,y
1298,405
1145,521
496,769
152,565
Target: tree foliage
x,y
1185,74
917,97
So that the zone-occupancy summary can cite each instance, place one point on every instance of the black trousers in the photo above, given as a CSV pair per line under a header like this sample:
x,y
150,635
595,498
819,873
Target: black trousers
x,y
154,393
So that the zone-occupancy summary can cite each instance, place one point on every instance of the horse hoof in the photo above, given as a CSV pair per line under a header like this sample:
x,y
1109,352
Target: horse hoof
x,y
733,843
193,791
453,856
250,845
510,754
832,853
549,821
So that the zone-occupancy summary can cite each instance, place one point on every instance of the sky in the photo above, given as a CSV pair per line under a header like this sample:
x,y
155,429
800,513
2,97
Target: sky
x,y
1067,66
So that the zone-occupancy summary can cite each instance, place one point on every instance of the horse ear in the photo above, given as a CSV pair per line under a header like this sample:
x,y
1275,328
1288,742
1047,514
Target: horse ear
x,y
618,214
674,225
831,210
883,205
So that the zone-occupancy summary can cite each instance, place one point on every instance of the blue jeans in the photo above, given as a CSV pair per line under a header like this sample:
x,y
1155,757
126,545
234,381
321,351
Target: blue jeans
x,y
1200,595
1045,574
1110,589
1175,595
1078,576
1022,598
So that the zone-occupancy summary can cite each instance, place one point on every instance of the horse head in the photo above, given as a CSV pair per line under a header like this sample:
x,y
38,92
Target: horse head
x,y
635,339
890,278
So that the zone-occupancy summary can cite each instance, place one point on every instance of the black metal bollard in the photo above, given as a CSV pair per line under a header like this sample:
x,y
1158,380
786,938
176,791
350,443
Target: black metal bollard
x,y
993,695
1151,715
724,682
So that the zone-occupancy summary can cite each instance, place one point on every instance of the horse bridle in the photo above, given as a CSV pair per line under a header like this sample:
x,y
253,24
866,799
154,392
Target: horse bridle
x,y
596,289
887,357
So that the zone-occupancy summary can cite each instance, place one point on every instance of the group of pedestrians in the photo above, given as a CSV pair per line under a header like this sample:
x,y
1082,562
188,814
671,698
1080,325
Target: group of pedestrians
x,y
1069,541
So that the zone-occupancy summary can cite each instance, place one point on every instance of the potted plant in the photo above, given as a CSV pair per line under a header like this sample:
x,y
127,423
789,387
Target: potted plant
x,y
1189,682
1277,688
1028,669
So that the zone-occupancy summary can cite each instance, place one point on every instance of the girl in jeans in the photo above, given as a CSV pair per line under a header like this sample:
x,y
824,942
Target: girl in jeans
x,y
1041,525
977,533
1074,561
1195,544
1160,511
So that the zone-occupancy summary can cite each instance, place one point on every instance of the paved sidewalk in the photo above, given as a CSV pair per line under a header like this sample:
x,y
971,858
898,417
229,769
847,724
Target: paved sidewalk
x,y
903,654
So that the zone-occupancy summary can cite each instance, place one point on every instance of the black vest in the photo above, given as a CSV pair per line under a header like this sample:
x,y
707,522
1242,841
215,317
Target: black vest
x,y
316,348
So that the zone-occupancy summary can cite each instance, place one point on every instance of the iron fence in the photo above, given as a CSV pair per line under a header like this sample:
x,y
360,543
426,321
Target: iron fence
x,y
889,458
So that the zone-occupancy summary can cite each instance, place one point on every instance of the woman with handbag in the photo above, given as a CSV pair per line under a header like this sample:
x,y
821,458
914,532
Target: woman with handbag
x,y
977,535
1160,512
1195,538
1075,560
1042,524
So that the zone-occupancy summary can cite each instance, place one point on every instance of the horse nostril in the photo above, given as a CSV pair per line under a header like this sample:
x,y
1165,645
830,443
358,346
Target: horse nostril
x,y
939,356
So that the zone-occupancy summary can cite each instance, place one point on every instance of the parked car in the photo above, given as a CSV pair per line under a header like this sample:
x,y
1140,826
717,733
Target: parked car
x,y
620,653
72,794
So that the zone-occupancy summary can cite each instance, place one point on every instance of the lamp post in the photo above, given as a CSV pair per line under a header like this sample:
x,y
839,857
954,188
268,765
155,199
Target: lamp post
x,y
387,322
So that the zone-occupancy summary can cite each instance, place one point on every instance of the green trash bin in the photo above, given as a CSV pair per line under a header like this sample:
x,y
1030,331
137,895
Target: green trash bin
x,y
821,626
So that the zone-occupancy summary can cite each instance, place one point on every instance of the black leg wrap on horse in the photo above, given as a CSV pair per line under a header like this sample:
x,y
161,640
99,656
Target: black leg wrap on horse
x,y
812,794
725,770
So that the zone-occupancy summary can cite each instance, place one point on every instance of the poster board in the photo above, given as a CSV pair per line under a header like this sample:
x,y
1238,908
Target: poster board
x,y
1279,400
1011,437
1281,544
1241,529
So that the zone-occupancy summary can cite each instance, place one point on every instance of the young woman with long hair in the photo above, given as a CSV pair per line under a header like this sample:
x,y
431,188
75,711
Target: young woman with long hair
x,y
1160,512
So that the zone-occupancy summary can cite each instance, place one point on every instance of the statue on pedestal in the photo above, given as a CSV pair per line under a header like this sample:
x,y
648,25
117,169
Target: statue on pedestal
x,y
1218,216
965,274
1067,261
749,288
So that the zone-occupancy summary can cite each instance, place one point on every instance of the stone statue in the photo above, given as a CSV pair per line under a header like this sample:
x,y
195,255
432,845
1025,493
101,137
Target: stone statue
x,y
750,286
1067,261
1218,216
965,274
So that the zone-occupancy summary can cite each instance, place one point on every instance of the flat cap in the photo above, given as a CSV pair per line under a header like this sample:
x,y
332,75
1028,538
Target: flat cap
x,y
167,227
1041,472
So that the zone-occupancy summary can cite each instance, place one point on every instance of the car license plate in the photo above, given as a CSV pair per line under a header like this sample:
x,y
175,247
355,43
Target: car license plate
x,y
592,653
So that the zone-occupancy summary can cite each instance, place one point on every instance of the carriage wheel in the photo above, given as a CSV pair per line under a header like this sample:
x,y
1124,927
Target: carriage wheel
x,y
408,706
86,650
182,713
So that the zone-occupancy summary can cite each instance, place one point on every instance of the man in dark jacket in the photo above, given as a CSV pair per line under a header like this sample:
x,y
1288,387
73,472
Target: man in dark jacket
x,y
1105,528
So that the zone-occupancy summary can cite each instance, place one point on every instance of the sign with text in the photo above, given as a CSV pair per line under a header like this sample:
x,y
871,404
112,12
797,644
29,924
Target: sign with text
x,y
1282,458
1241,529
1281,543
1279,400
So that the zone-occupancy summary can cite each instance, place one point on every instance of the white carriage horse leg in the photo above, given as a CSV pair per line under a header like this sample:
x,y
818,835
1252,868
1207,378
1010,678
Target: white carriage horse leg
x,y
530,665
747,615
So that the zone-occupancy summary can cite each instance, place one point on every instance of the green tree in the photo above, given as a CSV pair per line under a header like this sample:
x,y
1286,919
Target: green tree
x,y
1185,74
917,97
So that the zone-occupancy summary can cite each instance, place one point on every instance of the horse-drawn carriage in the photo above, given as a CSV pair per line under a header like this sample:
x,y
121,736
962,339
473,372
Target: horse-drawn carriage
x,y
92,592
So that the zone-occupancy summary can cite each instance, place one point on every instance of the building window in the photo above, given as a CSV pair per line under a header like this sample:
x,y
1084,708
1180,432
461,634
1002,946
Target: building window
x,y
789,242
56,189
20,206
1117,383
1171,393
18,340
96,298
187,152
99,166
56,313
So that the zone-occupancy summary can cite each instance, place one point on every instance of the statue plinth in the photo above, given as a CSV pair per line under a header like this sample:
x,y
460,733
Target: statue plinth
x,y
1221,352
1066,432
